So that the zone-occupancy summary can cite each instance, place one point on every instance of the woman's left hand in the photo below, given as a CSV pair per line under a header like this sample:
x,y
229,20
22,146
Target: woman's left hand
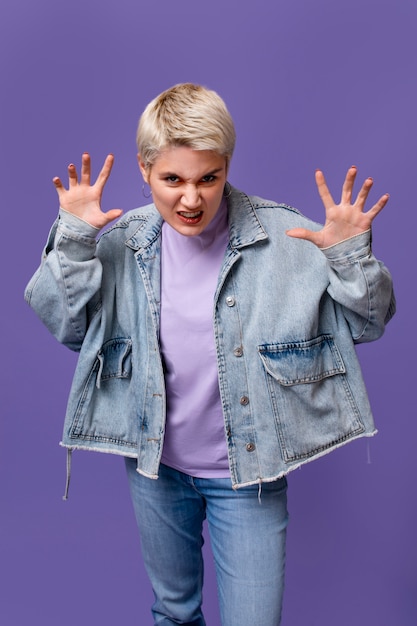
x,y
343,220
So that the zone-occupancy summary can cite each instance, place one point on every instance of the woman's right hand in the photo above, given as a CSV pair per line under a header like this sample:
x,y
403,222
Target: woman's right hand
x,y
83,198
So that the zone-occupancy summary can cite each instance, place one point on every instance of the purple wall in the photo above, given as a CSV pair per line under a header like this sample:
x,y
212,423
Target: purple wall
x,y
310,84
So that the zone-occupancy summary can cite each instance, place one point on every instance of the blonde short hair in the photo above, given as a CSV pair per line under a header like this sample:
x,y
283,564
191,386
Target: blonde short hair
x,y
185,115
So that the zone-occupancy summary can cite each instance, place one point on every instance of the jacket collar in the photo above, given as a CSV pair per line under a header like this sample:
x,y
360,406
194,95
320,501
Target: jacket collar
x,y
244,224
149,228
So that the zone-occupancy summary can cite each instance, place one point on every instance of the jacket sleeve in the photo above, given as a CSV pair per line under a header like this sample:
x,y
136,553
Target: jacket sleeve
x,y
362,285
65,290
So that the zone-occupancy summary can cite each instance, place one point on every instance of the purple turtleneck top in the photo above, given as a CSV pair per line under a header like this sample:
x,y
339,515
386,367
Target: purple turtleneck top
x,y
194,439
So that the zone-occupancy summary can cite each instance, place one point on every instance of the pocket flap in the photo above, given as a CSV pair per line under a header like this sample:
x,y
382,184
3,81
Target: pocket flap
x,y
301,362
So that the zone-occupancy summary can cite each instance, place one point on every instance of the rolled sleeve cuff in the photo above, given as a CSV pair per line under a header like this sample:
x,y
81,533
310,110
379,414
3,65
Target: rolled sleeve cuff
x,y
351,249
74,225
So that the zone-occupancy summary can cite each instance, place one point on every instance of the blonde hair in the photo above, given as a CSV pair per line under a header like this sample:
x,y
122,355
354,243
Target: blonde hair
x,y
185,115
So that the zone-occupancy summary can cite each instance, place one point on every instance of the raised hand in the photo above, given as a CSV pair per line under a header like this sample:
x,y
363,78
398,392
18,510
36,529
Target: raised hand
x,y
343,220
83,198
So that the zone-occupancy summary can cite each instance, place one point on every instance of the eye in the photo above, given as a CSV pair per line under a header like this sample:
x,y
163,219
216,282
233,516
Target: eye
x,y
210,178
172,178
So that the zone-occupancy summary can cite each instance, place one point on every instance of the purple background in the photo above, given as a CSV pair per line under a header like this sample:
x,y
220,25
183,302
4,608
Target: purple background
x,y
321,83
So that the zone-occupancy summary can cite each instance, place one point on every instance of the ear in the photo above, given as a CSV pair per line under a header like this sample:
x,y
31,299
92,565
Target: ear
x,y
143,170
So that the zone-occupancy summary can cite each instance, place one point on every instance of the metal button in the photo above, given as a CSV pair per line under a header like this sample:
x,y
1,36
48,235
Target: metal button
x,y
238,351
244,400
230,301
250,447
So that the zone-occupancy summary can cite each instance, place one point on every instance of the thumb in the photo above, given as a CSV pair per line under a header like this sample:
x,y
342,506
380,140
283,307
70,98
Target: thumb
x,y
301,233
113,214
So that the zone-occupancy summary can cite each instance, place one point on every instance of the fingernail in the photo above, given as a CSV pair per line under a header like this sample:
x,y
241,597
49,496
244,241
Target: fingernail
x,y
354,167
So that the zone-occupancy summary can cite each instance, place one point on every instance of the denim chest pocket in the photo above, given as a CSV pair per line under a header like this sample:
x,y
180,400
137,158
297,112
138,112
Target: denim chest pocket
x,y
103,413
312,403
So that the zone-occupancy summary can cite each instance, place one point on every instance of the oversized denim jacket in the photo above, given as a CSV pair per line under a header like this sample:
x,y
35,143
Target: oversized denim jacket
x,y
286,316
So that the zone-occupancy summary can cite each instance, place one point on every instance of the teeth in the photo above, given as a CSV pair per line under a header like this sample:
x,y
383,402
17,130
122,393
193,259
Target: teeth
x,y
187,214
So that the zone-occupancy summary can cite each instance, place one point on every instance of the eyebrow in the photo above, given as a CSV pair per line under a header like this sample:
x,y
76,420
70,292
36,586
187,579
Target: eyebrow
x,y
211,173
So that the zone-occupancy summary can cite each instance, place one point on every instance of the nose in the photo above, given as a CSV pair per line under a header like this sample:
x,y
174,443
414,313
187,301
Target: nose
x,y
191,198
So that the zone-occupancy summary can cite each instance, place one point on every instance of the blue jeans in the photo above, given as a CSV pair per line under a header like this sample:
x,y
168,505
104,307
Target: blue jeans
x,y
247,532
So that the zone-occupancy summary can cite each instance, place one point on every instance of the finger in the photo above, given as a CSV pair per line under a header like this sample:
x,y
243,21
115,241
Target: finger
x,y
307,235
105,171
58,183
347,188
59,187
323,190
377,208
72,175
113,214
364,192
85,168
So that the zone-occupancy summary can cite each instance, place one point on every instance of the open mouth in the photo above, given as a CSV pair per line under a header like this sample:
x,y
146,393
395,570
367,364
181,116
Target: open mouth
x,y
190,217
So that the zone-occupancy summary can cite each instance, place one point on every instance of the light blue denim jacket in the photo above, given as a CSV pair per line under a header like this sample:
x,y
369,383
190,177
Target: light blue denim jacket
x,y
286,316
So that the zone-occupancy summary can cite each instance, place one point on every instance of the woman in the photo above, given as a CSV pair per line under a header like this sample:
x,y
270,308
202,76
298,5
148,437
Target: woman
x,y
216,336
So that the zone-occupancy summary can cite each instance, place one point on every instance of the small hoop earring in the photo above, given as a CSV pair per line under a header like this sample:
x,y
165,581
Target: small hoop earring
x,y
143,191
227,190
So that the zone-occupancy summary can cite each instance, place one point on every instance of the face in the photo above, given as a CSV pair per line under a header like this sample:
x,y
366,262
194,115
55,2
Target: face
x,y
187,187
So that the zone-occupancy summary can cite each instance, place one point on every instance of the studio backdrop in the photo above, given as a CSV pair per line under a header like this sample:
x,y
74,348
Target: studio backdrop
x,y
323,84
